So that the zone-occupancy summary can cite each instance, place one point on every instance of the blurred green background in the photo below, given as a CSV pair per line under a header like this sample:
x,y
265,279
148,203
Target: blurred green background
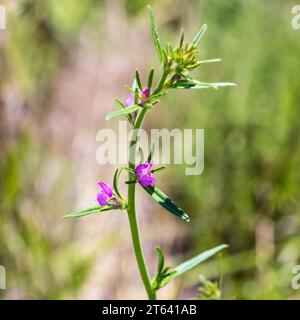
x,y
63,62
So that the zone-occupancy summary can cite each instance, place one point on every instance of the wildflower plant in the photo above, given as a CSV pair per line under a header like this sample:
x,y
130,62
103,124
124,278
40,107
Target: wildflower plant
x,y
177,64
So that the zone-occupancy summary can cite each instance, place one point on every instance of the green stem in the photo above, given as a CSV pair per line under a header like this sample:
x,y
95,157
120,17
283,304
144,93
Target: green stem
x,y
161,82
138,250
134,227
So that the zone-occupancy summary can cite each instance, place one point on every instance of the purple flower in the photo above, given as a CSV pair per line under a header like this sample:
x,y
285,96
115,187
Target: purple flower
x,y
130,100
105,194
144,174
145,94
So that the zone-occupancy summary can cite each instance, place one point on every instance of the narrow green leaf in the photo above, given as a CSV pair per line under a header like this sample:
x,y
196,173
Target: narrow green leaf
x,y
128,169
162,93
134,85
181,38
141,153
136,96
123,106
223,84
154,102
160,260
138,80
209,61
199,35
131,182
129,89
120,103
169,49
164,57
154,32
194,84
167,203
189,264
77,214
122,112
151,154
158,169
150,79
162,270
116,179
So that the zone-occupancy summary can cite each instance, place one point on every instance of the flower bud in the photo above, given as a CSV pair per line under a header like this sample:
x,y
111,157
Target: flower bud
x,y
145,94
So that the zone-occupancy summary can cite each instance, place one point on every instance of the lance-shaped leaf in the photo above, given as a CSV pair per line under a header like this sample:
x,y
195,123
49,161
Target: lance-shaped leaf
x,y
151,154
123,106
86,212
136,96
122,112
189,264
158,169
162,270
181,38
116,180
199,35
138,80
167,203
150,79
209,61
194,84
160,259
154,33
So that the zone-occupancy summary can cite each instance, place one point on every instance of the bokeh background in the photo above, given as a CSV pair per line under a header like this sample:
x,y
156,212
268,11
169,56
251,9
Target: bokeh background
x,y
63,62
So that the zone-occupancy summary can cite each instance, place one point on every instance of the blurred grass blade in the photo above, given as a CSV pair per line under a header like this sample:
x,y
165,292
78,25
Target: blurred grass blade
x,y
199,35
86,212
167,203
154,33
122,112
189,264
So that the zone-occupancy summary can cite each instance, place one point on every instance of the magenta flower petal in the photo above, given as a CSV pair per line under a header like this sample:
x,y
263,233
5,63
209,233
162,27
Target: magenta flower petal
x,y
147,180
105,194
144,174
130,100
145,94
106,188
142,169
102,198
